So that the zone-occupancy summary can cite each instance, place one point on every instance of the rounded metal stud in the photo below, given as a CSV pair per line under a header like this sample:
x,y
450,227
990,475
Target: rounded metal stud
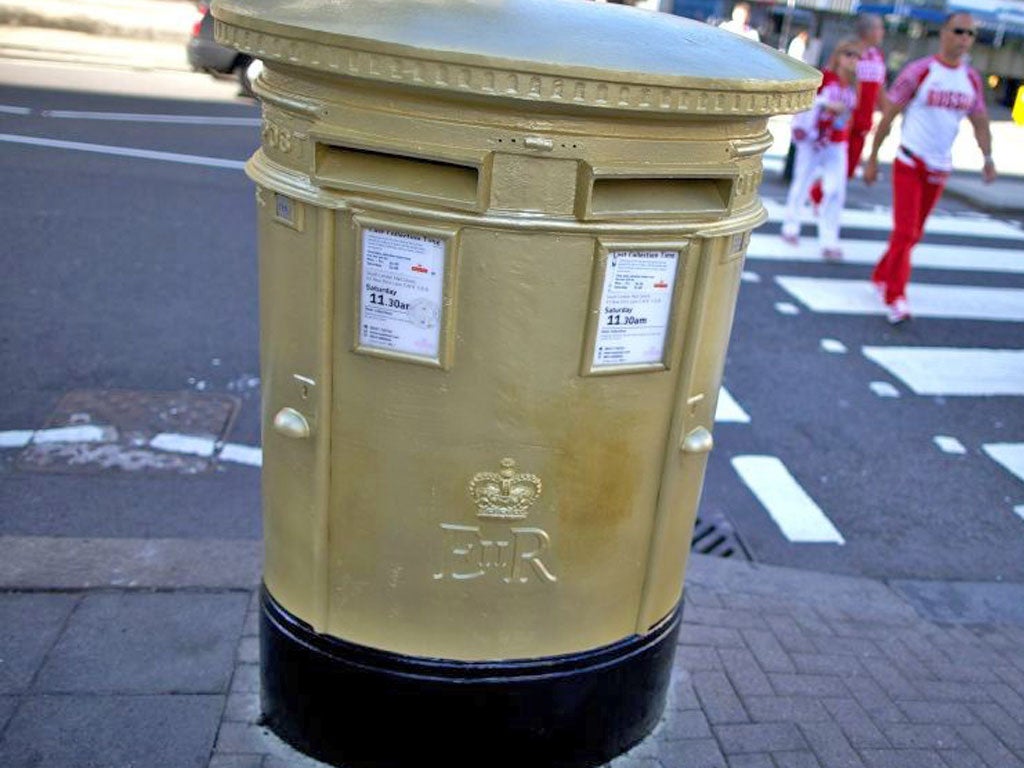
x,y
290,423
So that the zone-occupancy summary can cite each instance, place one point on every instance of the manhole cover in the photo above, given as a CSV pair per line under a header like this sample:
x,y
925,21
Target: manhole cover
x,y
715,535
96,431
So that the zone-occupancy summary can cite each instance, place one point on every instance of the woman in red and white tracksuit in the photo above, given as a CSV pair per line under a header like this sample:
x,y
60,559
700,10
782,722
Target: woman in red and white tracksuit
x,y
820,136
934,94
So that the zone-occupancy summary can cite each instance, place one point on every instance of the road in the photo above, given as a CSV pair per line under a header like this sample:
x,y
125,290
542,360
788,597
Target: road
x,y
127,274
129,264
891,432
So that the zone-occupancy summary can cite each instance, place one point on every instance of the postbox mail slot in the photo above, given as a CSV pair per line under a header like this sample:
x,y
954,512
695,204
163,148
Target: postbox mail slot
x,y
632,197
411,177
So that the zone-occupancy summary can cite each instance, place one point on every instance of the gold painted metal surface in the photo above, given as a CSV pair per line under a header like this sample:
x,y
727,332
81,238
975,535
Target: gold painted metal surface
x,y
476,482
556,51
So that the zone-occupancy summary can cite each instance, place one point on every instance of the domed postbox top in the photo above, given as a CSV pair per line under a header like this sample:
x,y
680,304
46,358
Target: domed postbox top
x,y
571,52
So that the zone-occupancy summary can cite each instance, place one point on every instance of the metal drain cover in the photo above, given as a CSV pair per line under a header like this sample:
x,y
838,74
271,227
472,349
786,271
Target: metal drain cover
x,y
114,430
715,535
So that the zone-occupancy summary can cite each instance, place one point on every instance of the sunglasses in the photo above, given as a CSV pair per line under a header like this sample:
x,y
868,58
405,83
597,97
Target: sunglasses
x,y
850,53
964,31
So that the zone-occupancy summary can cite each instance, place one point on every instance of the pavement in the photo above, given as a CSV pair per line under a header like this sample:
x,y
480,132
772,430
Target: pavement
x,y
143,652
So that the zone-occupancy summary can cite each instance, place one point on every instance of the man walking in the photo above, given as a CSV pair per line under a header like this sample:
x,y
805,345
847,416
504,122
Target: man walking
x,y
870,80
934,94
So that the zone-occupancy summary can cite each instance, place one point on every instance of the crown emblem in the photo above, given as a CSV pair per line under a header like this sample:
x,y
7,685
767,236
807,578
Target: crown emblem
x,y
504,495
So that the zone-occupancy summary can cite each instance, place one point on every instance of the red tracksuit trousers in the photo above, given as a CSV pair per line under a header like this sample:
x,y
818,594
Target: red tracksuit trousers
x,y
915,189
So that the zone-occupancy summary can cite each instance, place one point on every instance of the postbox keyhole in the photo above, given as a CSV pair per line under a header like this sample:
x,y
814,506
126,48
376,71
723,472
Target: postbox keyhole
x,y
306,385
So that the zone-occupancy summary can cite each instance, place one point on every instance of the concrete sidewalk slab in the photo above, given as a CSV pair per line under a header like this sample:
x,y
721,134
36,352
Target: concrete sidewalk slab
x,y
39,44
123,678
65,731
29,626
145,19
152,643
965,602
1004,196
52,563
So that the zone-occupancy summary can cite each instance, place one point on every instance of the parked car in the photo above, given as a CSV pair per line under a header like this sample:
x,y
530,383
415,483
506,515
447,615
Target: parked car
x,y
207,55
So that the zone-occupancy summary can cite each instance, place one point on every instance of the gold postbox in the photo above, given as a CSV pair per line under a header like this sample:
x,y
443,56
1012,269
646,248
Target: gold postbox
x,y
500,248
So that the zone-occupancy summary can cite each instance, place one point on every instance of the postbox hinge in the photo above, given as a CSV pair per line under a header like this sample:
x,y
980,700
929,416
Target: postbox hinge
x,y
540,143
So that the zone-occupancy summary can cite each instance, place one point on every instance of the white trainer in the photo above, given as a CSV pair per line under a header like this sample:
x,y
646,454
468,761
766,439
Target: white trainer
x,y
899,311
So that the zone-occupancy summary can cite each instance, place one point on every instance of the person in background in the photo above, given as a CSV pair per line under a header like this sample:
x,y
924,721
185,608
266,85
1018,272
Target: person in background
x,y
820,136
740,22
870,80
798,45
934,94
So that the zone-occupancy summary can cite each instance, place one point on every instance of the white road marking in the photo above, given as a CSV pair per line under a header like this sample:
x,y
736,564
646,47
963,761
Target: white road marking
x,y
786,308
867,252
193,445
833,346
1010,455
86,433
128,458
881,219
16,438
142,154
728,410
799,518
858,297
750,277
884,389
7,109
241,454
952,371
949,444
1019,511
128,117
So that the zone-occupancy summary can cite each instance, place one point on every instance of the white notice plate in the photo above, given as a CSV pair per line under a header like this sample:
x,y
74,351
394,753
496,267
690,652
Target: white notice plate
x,y
636,305
402,292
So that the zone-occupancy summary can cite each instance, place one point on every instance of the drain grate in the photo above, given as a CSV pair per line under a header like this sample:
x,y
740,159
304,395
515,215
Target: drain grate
x,y
129,431
715,535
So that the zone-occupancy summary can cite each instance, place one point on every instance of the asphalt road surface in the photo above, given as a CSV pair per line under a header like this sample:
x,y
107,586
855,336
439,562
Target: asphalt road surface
x,y
129,262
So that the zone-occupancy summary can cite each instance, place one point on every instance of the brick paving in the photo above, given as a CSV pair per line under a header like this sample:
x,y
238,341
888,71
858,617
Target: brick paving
x,y
778,668
775,668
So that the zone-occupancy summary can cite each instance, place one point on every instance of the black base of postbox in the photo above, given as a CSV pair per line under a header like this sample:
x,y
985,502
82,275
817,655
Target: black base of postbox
x,y
351,705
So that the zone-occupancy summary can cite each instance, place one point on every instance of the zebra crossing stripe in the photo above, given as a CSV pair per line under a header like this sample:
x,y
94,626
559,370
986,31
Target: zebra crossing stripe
x,y
881,219
728,410
951,371
799,518
858,297
948,444
1010,455
867,252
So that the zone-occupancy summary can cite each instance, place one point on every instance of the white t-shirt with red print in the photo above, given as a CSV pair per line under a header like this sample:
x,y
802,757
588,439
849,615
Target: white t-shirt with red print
x,y
937,97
